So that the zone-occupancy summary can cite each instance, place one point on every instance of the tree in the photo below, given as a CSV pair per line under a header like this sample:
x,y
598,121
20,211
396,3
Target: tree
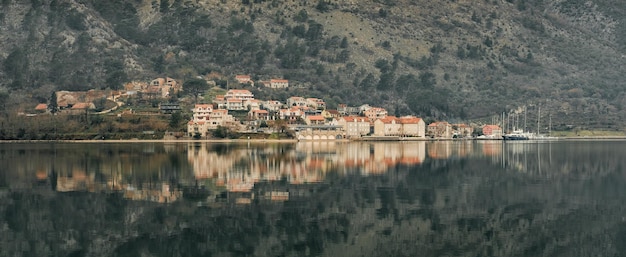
x,y
405,82
16,65
195,86
115,74
175,120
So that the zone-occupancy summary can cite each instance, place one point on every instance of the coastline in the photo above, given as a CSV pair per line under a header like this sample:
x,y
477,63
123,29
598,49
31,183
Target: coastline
x,y
372,139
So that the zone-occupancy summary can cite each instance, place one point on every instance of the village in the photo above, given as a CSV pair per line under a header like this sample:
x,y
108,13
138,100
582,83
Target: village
x,y
237,111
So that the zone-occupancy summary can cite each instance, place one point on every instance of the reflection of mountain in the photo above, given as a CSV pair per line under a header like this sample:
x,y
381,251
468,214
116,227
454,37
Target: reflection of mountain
x,y
141,171
474,206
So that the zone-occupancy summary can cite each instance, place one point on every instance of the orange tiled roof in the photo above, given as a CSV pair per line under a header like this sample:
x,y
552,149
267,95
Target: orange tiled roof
x,y
389,119
315,117
41,107
355,118
80,106
243,91
411,120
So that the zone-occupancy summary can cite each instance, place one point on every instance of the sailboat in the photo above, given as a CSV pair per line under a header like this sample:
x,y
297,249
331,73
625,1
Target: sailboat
x,y
517,134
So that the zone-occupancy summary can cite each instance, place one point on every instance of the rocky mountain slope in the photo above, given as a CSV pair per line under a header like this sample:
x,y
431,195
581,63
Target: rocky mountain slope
x,y
454,60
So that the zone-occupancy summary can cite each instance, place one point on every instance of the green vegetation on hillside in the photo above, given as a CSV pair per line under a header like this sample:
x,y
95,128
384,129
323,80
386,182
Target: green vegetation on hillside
x,y
439,60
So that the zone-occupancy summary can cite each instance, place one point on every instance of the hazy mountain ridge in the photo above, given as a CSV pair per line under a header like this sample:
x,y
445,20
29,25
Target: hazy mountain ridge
x,y
436,59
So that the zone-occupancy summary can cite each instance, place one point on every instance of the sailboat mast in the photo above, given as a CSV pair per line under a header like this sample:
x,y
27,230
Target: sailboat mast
x,y
538,120
524,118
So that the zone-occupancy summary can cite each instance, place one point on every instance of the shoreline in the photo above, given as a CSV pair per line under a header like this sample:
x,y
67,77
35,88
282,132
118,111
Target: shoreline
x,y
378,139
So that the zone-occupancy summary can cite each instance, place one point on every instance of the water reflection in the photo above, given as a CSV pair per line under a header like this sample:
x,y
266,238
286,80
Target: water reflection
x,y
159,172
440,198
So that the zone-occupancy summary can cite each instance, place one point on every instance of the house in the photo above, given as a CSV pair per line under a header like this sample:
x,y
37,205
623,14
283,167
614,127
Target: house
x,y
239,94
81,108
258,114
413,126
206,118
406,126
198,125
201,112
272,105
331,114
243,79
41,108
346,110
354,126
234,104
463,130
314,120
292,114
492,131
169,108
135,86
375,113
161,87
316,103
252,104
278,83
388,126
440,129
296,101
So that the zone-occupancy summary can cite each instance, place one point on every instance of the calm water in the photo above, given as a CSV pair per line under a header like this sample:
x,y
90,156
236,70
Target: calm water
x,y
560,198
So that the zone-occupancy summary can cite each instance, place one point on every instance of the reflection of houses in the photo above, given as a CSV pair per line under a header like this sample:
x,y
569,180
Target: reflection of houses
x,y
440,149
159,195
491,148
440,129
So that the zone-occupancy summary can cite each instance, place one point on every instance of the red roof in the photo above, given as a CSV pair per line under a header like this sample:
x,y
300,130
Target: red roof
x,y
389,119
81,106
410,120
355,118
315,117
41,107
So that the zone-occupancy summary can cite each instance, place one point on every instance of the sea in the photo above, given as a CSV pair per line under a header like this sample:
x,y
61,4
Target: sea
x,y
326,198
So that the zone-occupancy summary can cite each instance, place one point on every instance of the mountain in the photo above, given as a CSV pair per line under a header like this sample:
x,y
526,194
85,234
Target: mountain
x,y
452,60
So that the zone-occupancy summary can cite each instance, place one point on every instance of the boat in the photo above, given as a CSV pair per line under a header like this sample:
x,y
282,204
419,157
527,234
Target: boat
x,y
516,135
